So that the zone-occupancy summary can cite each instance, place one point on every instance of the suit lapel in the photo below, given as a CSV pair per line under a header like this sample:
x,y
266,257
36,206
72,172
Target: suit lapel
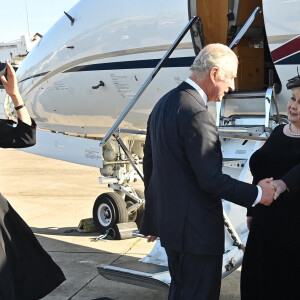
x,y
184,86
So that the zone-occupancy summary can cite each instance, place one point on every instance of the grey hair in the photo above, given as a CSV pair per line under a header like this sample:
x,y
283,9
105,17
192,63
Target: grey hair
x,y
213,55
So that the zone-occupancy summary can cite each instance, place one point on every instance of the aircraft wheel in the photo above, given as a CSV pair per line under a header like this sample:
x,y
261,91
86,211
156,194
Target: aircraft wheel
x,y
109,209
137,215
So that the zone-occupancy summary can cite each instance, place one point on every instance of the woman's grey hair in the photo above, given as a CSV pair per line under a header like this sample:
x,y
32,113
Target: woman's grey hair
x,y
213,55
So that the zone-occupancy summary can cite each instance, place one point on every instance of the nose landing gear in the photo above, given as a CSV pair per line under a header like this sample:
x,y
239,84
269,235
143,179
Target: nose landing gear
x,y
111,209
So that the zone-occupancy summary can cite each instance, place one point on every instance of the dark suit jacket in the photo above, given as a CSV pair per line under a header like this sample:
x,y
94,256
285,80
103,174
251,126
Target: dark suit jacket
x,y
20,136
183,176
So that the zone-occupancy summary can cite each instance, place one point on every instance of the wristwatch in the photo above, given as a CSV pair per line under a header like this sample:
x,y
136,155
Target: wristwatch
x,y
20,106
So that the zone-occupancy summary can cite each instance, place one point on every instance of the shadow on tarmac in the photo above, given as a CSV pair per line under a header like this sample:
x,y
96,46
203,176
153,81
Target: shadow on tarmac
x,y
79,264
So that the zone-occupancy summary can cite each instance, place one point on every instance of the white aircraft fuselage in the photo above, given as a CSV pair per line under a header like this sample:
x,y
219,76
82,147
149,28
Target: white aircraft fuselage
x,y
115,44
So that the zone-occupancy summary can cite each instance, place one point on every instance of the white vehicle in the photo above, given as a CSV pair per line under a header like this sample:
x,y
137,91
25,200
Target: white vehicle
x,y
87,85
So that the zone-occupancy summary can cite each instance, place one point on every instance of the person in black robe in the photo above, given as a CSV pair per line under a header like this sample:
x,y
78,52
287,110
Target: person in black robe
x,y
271,264
27,271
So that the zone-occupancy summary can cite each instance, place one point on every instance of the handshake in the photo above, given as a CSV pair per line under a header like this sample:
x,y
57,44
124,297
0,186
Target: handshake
x,y
271,189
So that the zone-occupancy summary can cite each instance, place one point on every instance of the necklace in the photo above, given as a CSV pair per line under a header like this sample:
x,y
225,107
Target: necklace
x,y
290,131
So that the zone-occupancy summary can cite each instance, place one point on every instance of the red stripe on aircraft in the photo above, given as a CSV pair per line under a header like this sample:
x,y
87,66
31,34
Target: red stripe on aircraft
x,y
286,49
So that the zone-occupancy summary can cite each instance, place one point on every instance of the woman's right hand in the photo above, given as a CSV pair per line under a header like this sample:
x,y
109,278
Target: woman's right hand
x,y
249,221
11,83
12,89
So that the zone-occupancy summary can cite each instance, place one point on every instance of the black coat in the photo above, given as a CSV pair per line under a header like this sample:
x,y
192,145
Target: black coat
x,y
21,136
183,175
27,271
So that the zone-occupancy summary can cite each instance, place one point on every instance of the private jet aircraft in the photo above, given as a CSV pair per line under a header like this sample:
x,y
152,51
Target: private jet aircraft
x,y
93,78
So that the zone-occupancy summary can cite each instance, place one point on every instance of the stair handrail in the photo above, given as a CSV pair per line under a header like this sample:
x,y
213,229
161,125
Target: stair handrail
x,y
245,27
148,80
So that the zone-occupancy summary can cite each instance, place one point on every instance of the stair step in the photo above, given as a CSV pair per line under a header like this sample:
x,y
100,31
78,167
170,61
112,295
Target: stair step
x,y
245,95
253,130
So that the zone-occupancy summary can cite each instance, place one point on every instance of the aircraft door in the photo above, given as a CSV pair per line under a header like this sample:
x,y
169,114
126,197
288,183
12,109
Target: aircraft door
x,y
221,21
214,21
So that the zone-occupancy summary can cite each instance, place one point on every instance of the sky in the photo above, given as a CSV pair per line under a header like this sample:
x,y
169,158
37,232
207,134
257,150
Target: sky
x,y
42,15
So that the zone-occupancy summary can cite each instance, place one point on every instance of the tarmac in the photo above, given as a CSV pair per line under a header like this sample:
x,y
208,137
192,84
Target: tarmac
x,y
52,197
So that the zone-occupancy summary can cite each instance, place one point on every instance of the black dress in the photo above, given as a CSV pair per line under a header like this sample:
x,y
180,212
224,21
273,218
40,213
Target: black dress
x,y
271,265
27,271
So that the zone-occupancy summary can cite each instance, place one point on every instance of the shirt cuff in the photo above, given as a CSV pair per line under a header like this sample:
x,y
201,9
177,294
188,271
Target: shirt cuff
x,y
258,196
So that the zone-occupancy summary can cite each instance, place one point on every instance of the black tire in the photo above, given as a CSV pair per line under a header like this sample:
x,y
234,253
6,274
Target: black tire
x,y
109,209
138,215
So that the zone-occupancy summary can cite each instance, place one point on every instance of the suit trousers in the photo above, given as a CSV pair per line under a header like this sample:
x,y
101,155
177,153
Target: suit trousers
x,y
194,277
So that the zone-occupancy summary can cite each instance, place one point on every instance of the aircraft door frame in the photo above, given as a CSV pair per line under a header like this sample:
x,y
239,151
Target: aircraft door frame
x,y
197,33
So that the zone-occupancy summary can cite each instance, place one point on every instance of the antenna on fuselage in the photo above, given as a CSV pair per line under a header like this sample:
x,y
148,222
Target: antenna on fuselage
x,y
70,17
27,17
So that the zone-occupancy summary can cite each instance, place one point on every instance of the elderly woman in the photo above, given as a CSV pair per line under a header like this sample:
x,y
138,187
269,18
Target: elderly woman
x,y
271,266
27,272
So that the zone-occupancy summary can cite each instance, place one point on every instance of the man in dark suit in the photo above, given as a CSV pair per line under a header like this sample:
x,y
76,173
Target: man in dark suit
x,y
184,183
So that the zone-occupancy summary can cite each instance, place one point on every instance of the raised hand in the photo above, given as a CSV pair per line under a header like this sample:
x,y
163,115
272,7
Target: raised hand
x,y
12,89
10,82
